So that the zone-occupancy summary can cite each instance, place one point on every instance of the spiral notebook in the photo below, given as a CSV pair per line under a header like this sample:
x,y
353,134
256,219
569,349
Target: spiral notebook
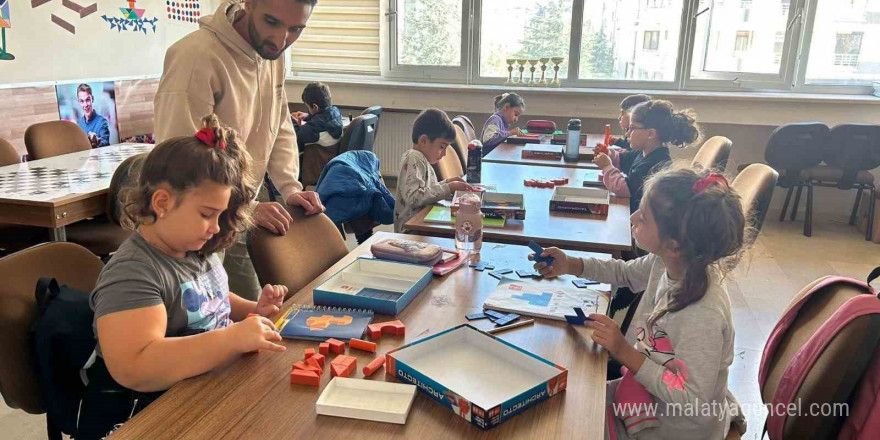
x,y
321,322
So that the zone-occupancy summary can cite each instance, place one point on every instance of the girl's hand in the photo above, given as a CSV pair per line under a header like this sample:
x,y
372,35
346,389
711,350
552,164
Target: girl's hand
x,y
516,131
602,160
253,334
561,263
607,333
270,299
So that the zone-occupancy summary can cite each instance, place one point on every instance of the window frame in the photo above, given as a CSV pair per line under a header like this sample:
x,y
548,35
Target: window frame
x,y
790,78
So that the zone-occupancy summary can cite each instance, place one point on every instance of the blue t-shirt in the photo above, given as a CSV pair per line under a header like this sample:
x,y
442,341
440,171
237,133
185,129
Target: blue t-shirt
x,y
98,125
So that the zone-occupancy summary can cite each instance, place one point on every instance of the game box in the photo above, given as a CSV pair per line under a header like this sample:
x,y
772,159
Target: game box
x,y
383,286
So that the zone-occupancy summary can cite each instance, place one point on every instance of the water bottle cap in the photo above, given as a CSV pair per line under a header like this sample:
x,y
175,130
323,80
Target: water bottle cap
x,y
574,124
474,144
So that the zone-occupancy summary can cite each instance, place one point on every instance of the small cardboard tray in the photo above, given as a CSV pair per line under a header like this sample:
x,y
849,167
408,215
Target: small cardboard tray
x,y
379,401
383,286
508,206
481,378
585,200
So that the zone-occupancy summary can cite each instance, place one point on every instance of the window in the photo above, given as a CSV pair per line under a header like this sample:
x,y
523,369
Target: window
x,y
651,40
836,54
524,30
785,5
778,46
616,34
743,42
342,39
428,32
745,15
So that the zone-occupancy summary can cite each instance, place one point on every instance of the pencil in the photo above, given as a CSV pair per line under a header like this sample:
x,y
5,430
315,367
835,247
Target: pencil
x,y
510,326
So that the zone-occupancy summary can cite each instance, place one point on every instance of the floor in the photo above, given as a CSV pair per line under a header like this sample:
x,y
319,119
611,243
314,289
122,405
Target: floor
x,y
777,267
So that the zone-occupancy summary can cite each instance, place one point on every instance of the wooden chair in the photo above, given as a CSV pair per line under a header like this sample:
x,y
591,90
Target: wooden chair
x,y
465,123
449,166
8,154
70,264
313,159
295,259
54,138
14,238
461,147
755,186
713,154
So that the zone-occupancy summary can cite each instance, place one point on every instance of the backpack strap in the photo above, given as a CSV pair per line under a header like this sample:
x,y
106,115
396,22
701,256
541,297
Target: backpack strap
x,y
873,275
47,289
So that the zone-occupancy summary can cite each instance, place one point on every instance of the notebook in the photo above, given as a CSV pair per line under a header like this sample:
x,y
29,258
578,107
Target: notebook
x,y
320,322
443,214
524,298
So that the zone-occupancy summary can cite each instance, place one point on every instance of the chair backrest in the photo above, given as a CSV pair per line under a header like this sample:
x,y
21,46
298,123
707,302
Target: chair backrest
x,y
360,134
713,154
311,246
466,125
377,111
460,146
853,147
793,147
8,153
54,138
70,264
449,166
121,178
755,186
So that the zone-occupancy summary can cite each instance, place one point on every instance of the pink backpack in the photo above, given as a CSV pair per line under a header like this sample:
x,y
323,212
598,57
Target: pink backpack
x,y
820,370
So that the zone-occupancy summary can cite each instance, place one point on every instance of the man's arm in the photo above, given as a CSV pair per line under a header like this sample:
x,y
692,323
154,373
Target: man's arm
x,y
104,133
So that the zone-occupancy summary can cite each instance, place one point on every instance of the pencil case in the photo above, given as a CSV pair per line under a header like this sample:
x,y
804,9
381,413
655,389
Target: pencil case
x,y
407,251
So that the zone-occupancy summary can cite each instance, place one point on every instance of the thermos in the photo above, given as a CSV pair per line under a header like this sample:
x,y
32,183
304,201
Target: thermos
x,y
474,161
573,142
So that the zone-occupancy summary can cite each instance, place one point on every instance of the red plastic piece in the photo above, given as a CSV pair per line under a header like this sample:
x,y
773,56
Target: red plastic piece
x,y
313,363
374,366
533,183
386,328
320,358
305,377
363,345
336,346
309,352
253,314
324,348
343,365
560,181
338,370
300,366
601,148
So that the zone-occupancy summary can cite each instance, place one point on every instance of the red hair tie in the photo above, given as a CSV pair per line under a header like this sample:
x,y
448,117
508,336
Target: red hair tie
x,y
701,184
207,136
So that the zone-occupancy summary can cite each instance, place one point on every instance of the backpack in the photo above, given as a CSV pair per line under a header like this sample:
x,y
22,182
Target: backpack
x,y
820,369
63,342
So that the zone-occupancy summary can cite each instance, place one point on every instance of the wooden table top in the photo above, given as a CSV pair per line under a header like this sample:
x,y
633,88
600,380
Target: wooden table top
x,y
252,396
588,232
512,154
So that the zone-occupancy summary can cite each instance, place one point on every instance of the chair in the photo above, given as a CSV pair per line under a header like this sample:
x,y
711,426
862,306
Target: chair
x,y
310,247
121,178
713,154
70,264
852,150
313,159
461,146
377,111
465,123
16,237
8,154
449,166
360,134
54,138
791,149
755,186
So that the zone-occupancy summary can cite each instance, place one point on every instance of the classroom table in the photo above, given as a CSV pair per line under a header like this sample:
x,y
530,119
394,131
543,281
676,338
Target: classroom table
x,y
60,190
512,154
252,396
583,232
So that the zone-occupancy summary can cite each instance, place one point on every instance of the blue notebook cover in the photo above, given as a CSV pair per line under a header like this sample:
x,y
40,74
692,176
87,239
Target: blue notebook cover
x,y
320,323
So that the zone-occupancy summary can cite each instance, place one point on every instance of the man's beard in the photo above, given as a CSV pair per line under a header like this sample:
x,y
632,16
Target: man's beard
x,y
259,45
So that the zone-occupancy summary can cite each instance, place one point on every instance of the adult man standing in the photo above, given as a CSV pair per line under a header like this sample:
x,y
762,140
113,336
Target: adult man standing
x,y
94,125
231,66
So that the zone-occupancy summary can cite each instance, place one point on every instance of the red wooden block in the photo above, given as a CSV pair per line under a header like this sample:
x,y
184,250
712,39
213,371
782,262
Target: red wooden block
x,y
386,328
362,345
346,363
300,366
338,370
320,358
312,362
560,181
374,366
305,377
530,183
336,346
324,348
309,352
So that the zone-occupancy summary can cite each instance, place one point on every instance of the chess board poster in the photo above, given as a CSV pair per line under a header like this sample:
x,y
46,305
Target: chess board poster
x,y
92,106
533,299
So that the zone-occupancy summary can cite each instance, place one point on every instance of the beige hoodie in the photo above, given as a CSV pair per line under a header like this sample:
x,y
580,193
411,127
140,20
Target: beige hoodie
x,y
214,70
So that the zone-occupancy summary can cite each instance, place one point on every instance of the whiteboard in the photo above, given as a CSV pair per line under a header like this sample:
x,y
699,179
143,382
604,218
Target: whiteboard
x,y
52,42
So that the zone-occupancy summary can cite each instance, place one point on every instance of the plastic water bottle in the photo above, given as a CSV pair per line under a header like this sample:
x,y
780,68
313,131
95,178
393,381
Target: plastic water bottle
x,y
573,142
469,224
474,161
607,135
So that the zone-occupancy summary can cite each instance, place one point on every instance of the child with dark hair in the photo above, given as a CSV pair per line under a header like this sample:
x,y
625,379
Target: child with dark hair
x,y
508,108
417,184
163,309
322,125
653,127
623,119
677,353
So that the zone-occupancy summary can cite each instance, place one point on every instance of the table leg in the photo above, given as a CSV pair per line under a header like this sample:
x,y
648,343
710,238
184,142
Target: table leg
x,y
59,234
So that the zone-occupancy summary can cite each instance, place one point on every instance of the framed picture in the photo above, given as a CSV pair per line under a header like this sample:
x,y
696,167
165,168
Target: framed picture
x,y
92,106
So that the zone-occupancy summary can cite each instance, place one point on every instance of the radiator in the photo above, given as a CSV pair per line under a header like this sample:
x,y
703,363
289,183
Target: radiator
x,y
393,138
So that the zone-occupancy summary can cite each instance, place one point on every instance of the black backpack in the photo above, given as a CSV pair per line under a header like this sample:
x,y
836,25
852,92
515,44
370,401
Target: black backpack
x,y
63,343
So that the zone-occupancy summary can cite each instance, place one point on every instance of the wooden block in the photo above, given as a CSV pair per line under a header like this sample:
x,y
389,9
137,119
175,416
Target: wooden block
x,y
309,352
336,346
300,366
63,24
304,377
374,366
362,345
320,358
338,370
324,348
395,327
312,362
